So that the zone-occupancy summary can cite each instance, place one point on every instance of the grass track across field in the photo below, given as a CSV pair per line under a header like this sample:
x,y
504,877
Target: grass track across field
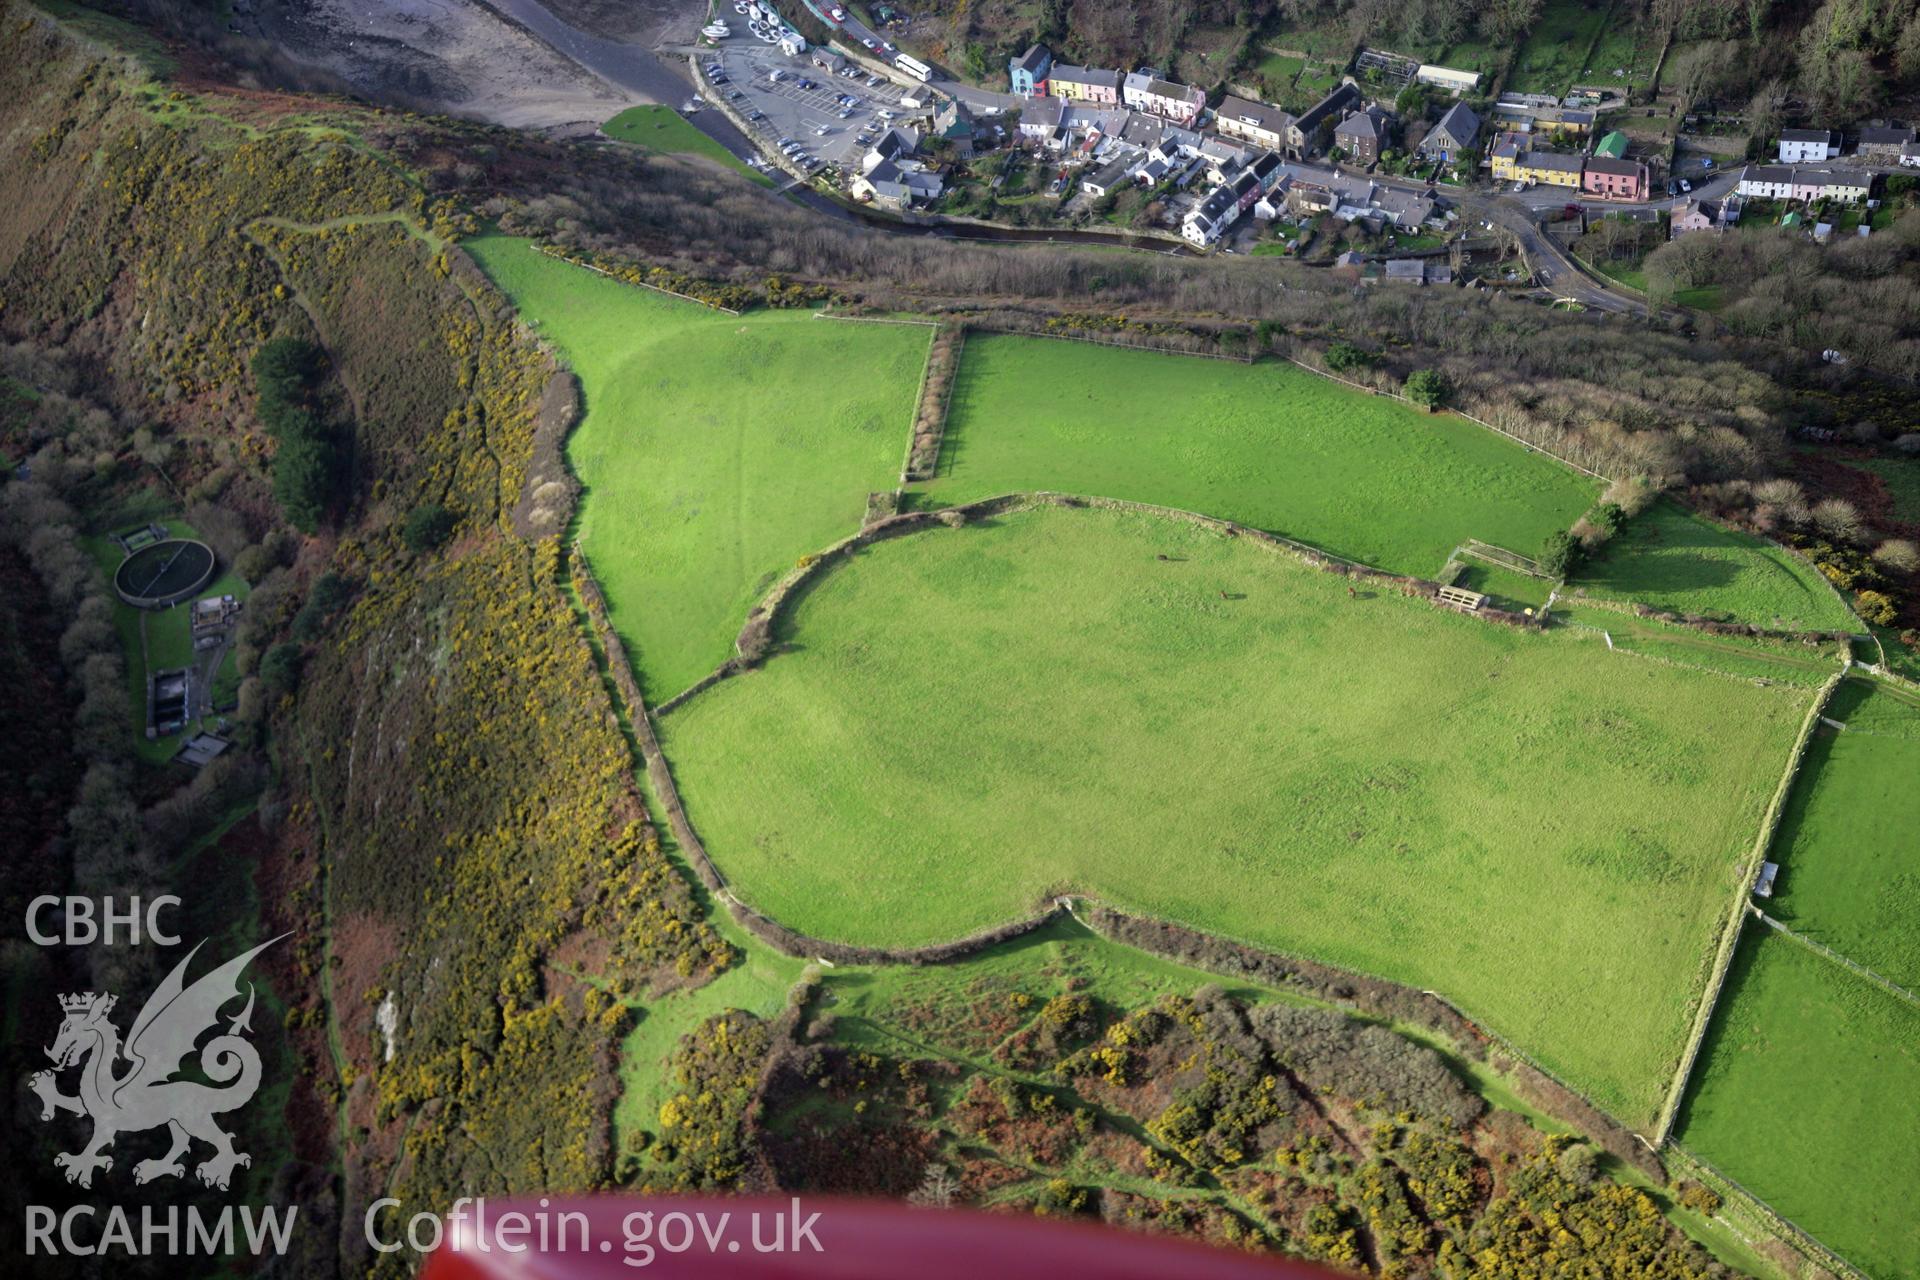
x,y
716,450
1809,1095
965,720
1269,445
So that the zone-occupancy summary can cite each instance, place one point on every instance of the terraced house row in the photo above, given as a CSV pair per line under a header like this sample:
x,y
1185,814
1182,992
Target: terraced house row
x,y
1034,74
1603,177
1804,184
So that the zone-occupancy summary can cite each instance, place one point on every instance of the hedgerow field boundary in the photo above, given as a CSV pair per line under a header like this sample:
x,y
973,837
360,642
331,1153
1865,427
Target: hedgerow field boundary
x,y
1732,1192
1731,928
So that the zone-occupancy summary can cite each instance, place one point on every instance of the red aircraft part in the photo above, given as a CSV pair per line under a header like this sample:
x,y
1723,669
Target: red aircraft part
x,y
857,1240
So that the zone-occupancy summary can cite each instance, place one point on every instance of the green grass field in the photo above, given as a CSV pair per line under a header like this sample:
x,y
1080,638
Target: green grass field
x,y
1269,445
1849,841
658,128
1510,590
1808,1093
1278,68
716,450
1902,478
1553,57
968,721
1670,558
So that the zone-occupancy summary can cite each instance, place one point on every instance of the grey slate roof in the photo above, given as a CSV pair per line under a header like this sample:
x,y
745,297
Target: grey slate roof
x,y
1258,115
1459,124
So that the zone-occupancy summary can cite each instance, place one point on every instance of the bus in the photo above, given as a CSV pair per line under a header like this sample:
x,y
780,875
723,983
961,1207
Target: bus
x,y
913,67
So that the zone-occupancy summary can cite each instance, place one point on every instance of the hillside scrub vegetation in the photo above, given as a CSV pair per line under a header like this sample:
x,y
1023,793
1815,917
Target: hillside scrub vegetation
x,y
1227,1116
1858,296
453,803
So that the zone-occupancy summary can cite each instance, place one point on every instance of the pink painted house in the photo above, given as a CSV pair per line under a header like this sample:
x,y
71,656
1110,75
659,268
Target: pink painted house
x,y
1612,179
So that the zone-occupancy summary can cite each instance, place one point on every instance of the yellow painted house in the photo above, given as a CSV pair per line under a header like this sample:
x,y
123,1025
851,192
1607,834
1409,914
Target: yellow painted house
x,y
1548,168
1500,160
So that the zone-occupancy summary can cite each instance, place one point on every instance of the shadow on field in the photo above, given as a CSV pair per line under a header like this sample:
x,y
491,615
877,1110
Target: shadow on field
x,y
783,633
1739,974
1653,555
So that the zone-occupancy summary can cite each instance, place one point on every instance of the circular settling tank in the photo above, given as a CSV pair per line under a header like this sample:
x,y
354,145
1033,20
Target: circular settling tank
x,y
164,574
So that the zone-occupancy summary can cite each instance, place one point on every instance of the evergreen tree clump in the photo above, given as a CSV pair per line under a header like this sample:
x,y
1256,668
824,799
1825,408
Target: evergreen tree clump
x,y
1342,356
280,668
1561,554
1428,387
427,527
307,468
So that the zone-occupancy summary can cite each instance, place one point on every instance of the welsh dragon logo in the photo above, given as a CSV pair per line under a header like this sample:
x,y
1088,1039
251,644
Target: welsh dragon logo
x,y
145,1095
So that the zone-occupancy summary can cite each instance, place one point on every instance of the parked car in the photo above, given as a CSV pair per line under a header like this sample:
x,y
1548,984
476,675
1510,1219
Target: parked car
x,y
837,14
1685,185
